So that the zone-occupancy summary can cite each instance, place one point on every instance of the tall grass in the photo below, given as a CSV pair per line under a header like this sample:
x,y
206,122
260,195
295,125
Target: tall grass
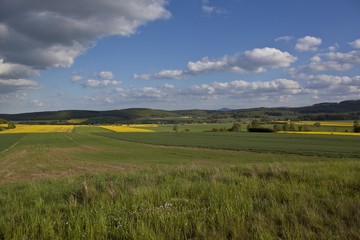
x,y
319,200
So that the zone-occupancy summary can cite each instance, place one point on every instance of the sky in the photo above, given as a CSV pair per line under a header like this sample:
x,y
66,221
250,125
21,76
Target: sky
x,y
177,54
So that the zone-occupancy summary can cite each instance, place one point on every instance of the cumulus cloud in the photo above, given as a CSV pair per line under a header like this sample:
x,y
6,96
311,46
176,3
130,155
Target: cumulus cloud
x,y
255,60
106,75
105,79
93,83
169,74
76,78
356,43
334,87
308,43
13,85
40,34
240,87
144,76
331,61
324,81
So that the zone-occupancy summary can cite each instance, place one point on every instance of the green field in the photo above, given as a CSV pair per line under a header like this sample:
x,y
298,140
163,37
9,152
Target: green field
x,y
96,184
331,145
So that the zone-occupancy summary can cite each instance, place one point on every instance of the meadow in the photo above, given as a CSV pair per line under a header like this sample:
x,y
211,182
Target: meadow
x,y
93,183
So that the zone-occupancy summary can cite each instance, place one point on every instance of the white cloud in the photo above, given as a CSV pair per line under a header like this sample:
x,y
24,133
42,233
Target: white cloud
x,y
76,78
349,57
356,43
308,43
106,75
169,74
255,60
145,76
334,47
260,58
13,85
210,9
284,38
206,65
241,88
331,61
93,83
324,81
38,103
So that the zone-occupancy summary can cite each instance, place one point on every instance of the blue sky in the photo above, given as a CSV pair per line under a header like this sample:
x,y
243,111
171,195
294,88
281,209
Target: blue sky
x,y
205,54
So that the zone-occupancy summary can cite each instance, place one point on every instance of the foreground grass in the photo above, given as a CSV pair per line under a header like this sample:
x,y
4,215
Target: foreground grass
x,y
85,186
262,201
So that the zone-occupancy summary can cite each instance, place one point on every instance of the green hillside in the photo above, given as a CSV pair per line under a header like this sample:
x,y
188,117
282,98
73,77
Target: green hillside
x,y
346,110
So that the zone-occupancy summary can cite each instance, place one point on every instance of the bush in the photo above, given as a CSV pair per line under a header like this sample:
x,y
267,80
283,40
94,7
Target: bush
x,y
259,129
236,127
356,127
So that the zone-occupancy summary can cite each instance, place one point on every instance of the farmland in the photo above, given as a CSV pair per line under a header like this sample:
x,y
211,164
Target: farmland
x,y
21,128
94,183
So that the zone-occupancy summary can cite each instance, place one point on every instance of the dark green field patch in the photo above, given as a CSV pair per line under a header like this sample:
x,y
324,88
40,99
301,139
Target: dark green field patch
x,y
329,145
8,140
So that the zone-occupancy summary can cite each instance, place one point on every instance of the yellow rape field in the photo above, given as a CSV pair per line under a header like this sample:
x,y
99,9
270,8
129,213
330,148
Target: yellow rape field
x,y
130,128
323,123
20,128
144,125
325,133
330,124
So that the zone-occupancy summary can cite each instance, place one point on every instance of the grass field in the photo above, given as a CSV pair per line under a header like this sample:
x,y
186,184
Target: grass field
x,y
328,145
92,183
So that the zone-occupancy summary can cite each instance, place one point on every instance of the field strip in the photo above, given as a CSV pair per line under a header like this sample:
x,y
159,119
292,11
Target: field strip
x,y
70,138
10,147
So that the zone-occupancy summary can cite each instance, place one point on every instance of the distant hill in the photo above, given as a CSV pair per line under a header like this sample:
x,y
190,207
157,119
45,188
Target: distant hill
x,y
322,111
342,107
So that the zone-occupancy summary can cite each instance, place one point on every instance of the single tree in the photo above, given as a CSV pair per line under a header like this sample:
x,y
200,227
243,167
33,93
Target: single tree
x,y
236,127
11,125
356,126
176,128
317,124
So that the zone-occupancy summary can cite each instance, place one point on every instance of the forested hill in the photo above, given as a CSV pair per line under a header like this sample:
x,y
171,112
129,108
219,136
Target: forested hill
x,y
321,111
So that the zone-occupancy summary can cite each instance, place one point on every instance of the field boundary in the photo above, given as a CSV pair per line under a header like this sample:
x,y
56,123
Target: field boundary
x,y
10,147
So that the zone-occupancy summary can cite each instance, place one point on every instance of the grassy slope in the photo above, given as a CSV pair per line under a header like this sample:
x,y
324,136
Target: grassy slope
x,y
129,190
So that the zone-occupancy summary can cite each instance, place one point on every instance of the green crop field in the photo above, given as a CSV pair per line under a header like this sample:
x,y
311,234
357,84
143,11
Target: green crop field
x,y
96,184
330,145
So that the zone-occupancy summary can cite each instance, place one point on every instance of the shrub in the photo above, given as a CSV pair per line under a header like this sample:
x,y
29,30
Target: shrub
x,y
259,129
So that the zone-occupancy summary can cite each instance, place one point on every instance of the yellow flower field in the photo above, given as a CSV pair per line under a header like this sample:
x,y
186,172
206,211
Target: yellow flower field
x,y
144,125
325,133
131,128
20,128
323,123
